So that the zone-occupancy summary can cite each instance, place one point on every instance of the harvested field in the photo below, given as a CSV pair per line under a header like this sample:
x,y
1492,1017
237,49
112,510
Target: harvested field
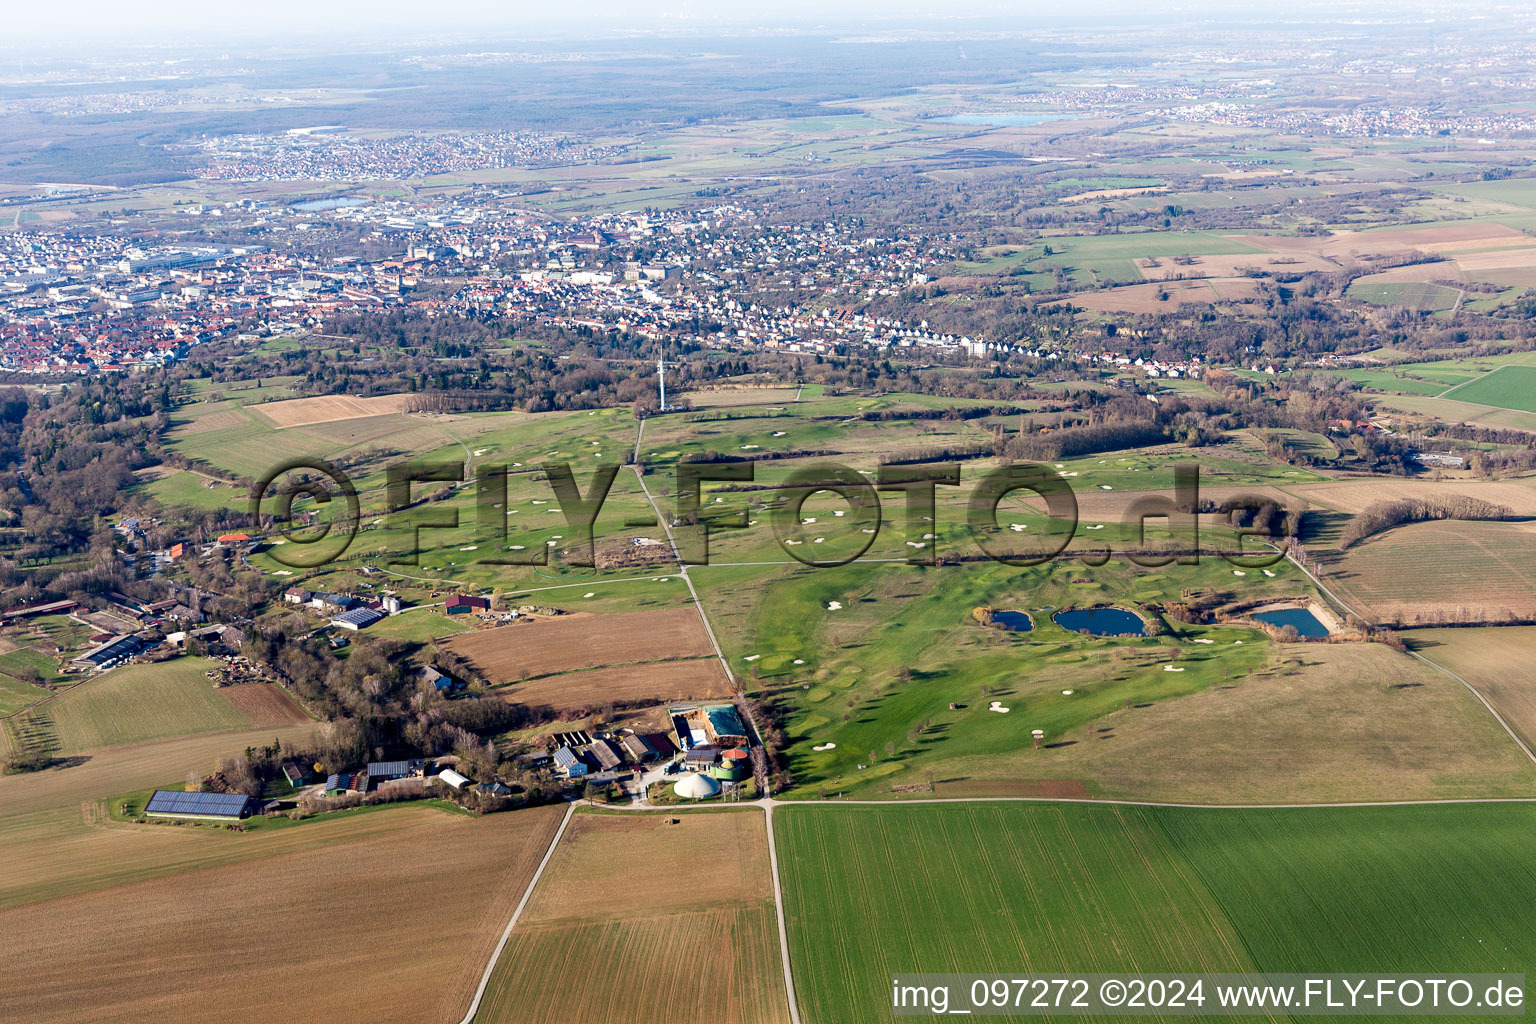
x,y
1416,273
301,412
698,953
1496,661
264,704
721,397
1505,259
1351,245
1114,193
221,420
1354,496
1233,265
568,643
691,679
174,948
1440,573
1143,298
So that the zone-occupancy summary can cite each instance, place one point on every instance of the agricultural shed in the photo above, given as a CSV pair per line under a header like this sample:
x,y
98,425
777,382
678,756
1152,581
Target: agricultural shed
x,y
358,618
460,604
167,803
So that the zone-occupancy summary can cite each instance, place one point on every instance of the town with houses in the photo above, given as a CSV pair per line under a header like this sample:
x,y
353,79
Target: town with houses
x,y
718,277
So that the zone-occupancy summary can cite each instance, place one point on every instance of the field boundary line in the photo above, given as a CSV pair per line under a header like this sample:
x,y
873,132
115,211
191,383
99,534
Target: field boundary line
x,y
1432,664
593,583
778,905
1474,380
1168,804
683,572
1491,709
506,934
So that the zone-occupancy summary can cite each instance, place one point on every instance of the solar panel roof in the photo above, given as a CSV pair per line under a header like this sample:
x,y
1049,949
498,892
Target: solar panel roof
x,y
165,801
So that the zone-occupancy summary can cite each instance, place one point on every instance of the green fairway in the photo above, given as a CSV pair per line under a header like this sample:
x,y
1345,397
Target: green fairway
x,y
1508,387
1029,888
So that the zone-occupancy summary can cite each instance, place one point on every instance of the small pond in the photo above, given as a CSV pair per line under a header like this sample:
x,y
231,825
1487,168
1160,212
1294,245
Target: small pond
x,y
1307,624
1014,622
1102,622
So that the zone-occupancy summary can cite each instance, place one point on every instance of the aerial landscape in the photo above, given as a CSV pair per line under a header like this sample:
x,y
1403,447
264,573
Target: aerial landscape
x,y
796,514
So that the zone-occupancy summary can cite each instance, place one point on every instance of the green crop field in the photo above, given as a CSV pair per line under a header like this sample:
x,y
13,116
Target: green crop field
x,y
1508,387
1419,296
1032,888
142,702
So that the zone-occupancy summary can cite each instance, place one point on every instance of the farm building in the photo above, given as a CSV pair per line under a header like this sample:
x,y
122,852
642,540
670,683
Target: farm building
x,y
700,759
452,779
437,680
570,765
464,604
51,608
637,748
167,803
605,754
358,618
389,771
342,783
716,725
115,651
297,775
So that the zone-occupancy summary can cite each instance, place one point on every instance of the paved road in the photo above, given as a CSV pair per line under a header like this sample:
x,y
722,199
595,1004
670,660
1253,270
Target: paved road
x,y
506,934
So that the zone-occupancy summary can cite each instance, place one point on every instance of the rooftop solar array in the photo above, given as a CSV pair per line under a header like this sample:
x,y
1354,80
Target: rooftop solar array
x,y
224,805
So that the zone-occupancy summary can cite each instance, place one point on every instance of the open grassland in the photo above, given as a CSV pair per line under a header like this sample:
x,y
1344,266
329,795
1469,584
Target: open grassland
x,y
1508,387
702,950
900,889
1496,661
1319,723
143,702
527,650
1439,573
16,694
440,886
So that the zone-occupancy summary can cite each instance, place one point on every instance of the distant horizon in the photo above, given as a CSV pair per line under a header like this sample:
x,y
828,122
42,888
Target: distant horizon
x,y
89,29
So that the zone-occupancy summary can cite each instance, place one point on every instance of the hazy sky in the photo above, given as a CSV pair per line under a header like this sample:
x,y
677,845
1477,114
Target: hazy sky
x,y
59,23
